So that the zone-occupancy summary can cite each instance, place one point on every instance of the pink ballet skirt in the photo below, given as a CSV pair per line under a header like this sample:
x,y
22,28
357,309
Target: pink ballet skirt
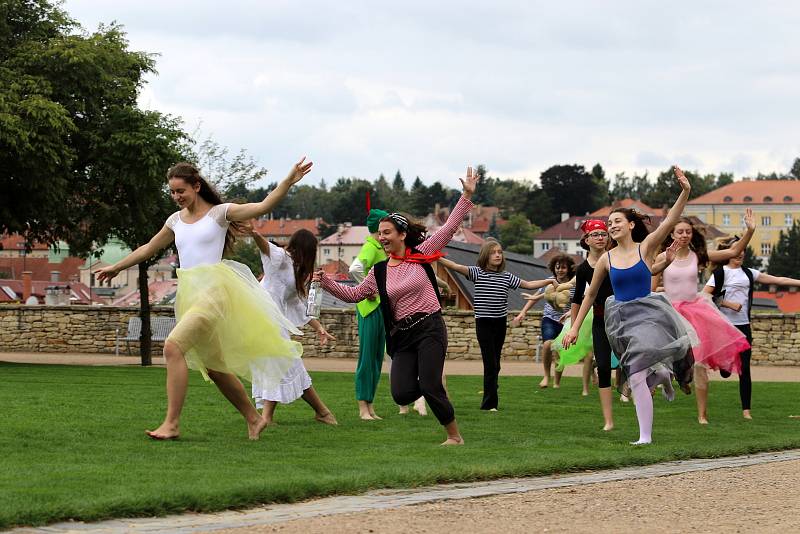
x,y
720,341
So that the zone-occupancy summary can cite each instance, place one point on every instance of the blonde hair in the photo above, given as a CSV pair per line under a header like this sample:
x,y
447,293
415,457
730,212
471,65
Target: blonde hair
x,y
486,250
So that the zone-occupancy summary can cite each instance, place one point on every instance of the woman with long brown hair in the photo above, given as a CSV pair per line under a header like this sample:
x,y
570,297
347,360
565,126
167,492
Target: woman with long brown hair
x,y
226,322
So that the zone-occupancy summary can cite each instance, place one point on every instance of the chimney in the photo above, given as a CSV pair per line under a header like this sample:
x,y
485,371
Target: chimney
x,y
340,228
27,285
792,289
55,276
773,288
564,216
436,208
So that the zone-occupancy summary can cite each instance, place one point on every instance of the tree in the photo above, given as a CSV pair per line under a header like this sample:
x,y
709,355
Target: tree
x,y
247,253
79,161
493,231
483,189
601,196
229,173
794,172
418,199
724,178
785,257
516,234
572,189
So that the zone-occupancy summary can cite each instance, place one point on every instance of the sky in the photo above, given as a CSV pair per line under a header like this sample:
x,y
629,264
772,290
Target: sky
x,y
427,88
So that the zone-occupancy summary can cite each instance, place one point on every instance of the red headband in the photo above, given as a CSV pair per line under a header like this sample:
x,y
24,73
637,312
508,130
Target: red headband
x,y
593,224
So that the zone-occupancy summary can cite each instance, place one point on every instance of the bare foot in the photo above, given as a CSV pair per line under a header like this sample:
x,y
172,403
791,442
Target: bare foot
x,y
164,432
746,415
584,393
268,421
556,386
366,417
457,440
403,410
327,418
255,428
702,419
373,414
544,383
608,427
624,398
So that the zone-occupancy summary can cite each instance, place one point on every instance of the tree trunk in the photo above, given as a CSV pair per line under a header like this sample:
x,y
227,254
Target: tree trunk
x,y
145,348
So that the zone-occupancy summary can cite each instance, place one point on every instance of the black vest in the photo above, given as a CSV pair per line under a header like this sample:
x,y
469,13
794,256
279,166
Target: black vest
x,y
379,270
719,282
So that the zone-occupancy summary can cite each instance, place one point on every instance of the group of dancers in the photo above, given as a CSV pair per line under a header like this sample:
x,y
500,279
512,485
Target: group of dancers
x,y
230,326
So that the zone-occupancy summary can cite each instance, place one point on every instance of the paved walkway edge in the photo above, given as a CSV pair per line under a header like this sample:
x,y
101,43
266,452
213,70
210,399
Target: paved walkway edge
x,y
384,499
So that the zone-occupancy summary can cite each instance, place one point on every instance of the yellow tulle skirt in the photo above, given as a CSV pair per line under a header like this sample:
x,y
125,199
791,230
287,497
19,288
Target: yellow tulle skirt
x,y
227,322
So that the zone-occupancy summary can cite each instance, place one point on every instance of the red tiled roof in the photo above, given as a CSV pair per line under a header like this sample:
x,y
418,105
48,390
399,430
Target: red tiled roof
x,y
286,227
780,191
787,302
41,267
16,242
638,205
79,292
156,292
570,228
337,269
351,235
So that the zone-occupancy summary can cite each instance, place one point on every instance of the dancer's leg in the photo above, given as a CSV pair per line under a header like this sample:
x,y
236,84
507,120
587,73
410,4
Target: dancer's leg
x,y
547,362
588,371
644,406
602,355
268,411
701,391
177,382
321,412
485,330
745,382
366,378
233,390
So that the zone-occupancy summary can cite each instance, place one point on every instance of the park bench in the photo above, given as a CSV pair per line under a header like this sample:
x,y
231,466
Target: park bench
x,y
160,327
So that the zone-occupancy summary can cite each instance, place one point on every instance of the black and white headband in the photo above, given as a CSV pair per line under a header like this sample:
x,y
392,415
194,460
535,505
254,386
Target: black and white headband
x,y
399,220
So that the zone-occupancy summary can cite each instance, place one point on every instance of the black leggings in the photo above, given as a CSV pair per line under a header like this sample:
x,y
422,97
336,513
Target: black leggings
x,y
602,352
417,365
491,334
745,382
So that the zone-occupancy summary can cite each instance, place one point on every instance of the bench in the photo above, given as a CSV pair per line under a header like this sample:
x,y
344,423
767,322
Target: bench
x,y
160,327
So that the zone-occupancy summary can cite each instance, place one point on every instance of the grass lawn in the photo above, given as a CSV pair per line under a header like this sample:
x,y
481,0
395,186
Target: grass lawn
x,y
72,442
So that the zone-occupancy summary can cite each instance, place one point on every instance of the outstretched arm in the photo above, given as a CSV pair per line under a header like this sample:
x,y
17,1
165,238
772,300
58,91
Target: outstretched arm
x,y
251,210
532,300
659,234
365,289
722,256
453,266
600,273
161,240
538,284
765,278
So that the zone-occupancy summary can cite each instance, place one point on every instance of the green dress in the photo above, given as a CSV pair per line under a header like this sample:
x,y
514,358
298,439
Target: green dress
x,y
371,333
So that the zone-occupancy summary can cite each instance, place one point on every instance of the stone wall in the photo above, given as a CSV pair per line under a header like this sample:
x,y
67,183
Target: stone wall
x,y
93,329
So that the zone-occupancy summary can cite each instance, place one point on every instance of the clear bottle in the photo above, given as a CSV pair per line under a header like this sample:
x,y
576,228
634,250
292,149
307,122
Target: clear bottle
x,y
314,302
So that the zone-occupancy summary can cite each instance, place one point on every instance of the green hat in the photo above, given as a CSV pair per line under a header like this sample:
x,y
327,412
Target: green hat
x,y
374,218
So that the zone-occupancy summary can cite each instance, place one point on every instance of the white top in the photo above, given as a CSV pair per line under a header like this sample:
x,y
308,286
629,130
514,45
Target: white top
x,y
279,282
202,242
736,287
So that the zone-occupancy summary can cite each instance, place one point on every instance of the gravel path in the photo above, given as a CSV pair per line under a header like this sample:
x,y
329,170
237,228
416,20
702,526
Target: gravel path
x,y
760,498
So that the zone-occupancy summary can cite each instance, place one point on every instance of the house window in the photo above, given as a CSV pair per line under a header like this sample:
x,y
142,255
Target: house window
x,y
787,198
788,220
726,219
768,199
326,251
545,246
766,220
748,198
563,246
766,249
727,199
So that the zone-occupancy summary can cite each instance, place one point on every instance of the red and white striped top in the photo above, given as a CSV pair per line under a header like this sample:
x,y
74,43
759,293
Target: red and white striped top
x,y
407,284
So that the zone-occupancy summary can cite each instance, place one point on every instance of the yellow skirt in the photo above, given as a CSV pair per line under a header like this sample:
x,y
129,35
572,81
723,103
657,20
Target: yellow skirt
x,y
227,322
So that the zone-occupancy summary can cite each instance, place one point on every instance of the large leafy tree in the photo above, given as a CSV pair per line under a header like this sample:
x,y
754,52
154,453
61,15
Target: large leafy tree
x,y
516,234
572,189
79,161
785,257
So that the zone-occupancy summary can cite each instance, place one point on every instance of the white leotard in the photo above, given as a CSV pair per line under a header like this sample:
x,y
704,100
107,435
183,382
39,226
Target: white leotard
x,y
202,242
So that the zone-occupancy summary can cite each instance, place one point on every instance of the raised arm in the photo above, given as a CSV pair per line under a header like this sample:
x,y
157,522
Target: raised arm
x,y
659,234
600,273
765,278
443,235
722,256
251,210
160,241
538,284
453,266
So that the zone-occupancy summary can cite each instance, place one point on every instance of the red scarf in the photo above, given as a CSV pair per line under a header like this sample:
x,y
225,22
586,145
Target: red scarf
x,y
418,257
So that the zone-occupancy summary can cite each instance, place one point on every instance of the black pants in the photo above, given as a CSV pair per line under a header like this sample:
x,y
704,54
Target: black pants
x,y
491,336
602,352
417,365
745,382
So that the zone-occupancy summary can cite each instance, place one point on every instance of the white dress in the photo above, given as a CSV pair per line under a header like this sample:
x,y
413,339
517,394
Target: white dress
x,y
279,282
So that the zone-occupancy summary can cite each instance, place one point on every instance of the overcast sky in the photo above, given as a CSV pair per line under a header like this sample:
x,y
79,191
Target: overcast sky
x,y
364,87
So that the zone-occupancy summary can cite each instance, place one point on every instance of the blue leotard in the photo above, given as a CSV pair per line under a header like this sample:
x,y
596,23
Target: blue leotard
x,y
631,283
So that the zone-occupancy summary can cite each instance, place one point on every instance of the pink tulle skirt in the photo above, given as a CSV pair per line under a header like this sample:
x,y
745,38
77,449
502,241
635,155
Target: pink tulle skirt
x,y
720,341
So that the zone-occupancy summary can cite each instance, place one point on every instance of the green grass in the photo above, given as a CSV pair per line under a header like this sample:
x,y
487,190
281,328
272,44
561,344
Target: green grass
x,y
72,443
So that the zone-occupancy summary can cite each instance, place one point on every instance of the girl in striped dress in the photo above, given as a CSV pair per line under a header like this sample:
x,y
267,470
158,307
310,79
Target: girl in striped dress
x,y
490,303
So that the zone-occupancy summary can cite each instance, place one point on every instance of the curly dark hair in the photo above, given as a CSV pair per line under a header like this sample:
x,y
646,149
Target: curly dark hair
x,y
564,259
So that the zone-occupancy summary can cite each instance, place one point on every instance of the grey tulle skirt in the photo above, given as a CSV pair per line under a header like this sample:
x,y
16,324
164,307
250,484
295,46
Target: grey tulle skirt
x,y
647,334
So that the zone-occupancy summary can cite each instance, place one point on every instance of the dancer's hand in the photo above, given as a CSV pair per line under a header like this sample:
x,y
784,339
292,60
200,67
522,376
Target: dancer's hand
x,y
749,220
570,338
535,297
106,273
469,183
671,251
324,336
372,297
299,170
682,180
317,276
517,320
243,228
